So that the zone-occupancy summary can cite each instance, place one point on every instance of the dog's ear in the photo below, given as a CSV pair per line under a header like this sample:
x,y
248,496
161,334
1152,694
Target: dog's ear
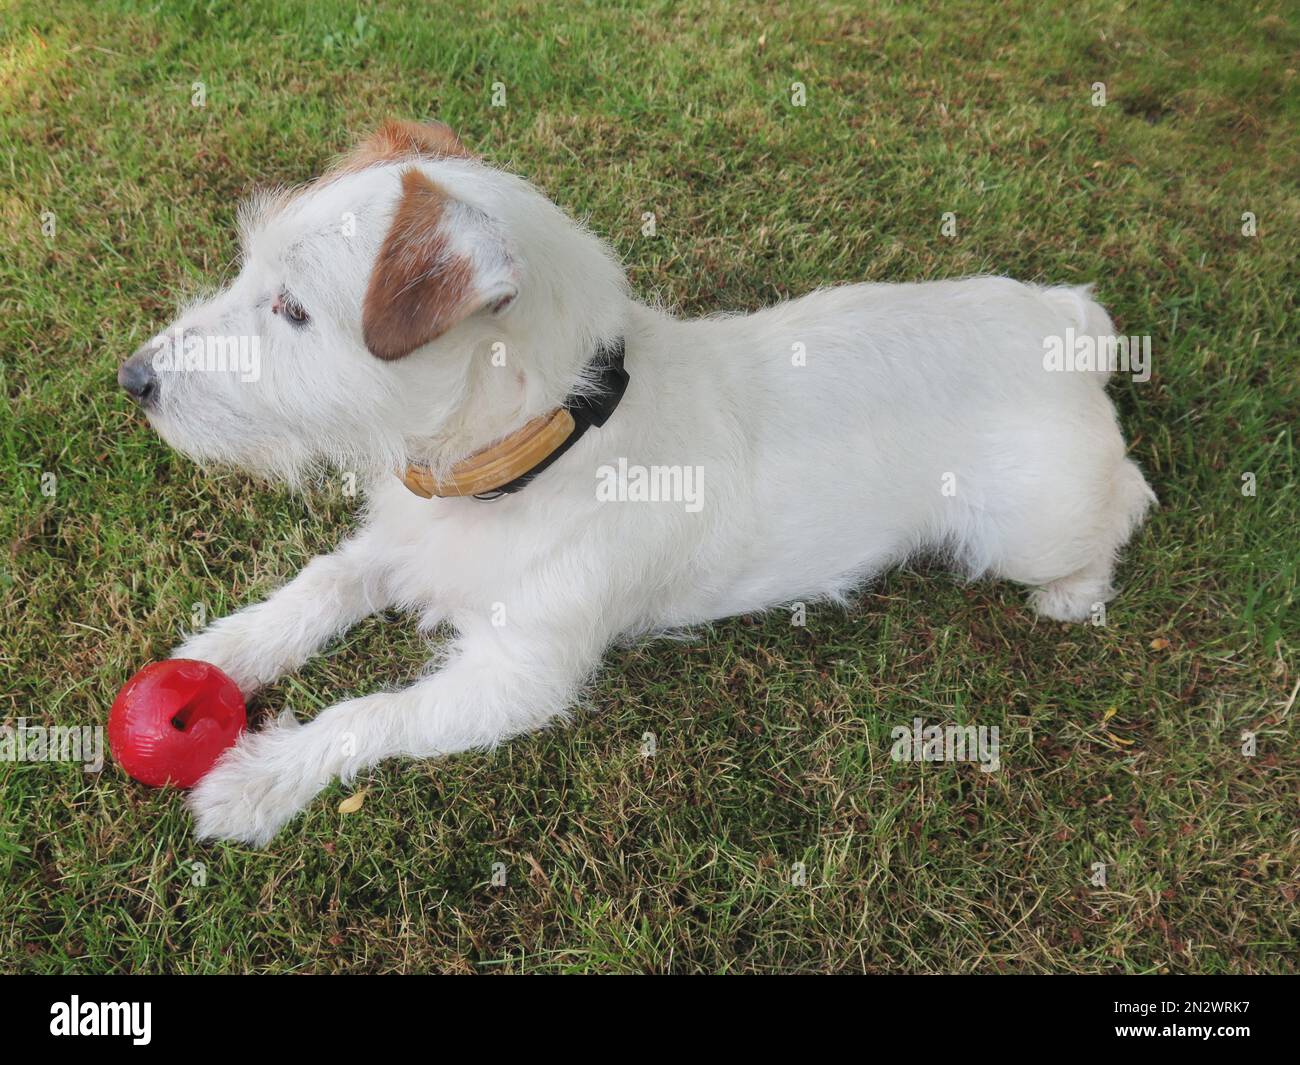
x,y
398,139
441,261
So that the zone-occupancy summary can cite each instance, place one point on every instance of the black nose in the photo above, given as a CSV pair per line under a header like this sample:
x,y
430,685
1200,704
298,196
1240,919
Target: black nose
x,y
138,377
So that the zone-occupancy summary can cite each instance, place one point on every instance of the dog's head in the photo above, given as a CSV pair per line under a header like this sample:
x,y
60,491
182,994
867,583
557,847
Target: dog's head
x,y
413,302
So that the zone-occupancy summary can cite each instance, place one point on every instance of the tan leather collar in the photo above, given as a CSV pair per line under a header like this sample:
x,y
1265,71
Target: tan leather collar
x,y
513,461
489,468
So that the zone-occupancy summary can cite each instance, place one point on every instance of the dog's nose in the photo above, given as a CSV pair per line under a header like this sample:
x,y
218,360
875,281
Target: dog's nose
x,y
138,377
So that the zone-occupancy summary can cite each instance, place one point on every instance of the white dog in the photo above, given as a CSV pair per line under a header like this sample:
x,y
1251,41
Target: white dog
x,y
439,329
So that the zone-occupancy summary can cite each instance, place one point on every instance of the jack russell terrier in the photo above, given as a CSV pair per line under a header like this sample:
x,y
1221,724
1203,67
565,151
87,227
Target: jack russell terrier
x,y
549,464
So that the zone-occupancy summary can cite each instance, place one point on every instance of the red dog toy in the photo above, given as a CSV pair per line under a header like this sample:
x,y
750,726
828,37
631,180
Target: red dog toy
x,y
171,721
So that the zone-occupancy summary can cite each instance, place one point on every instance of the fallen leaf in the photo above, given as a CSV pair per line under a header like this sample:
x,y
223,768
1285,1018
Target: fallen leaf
x,y
353,802
536,866
1158,644
1110,712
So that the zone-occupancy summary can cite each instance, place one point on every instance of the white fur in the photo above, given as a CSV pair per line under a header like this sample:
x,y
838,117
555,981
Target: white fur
x,y
816,476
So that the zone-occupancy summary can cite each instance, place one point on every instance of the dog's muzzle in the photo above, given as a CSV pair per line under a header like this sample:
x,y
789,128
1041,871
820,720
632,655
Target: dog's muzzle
x,y
138,377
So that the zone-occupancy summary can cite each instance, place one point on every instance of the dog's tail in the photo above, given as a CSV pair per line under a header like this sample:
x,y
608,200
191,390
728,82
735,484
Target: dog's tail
x,y
1086,316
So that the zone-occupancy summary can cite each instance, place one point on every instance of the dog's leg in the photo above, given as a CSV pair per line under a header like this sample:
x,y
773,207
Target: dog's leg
x,y
262,642
492,686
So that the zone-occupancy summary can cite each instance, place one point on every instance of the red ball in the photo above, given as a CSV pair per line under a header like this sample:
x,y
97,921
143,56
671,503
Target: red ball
x,y
171,721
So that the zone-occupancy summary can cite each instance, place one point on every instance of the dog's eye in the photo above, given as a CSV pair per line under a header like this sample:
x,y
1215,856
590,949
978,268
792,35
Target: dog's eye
x,y
293,310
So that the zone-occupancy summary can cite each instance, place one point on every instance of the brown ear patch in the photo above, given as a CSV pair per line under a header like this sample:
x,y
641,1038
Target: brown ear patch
x,y
419,288
398,139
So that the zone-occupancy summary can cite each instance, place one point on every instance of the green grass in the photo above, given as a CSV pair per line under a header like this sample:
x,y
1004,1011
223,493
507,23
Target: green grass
x,y
772,741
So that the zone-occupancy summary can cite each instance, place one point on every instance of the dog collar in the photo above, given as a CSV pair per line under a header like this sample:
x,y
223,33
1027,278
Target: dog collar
x,y
513,461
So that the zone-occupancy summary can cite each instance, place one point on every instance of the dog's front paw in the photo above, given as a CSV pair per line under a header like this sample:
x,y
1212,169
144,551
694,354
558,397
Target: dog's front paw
x,y
227,646
256,786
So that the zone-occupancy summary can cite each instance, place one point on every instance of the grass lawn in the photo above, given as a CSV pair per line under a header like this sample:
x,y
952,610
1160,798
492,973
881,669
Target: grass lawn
x,y
1121,744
